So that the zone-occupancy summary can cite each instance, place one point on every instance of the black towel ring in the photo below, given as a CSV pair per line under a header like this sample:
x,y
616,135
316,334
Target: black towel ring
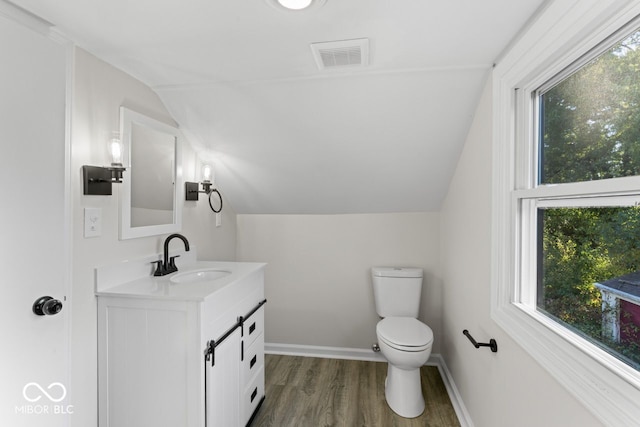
x,y
219,197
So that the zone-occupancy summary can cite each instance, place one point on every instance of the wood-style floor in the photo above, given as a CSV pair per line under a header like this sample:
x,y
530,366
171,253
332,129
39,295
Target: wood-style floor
x,y
310,392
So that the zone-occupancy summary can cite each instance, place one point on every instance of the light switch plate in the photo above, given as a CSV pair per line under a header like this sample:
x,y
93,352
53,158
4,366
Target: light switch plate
x,y
92,222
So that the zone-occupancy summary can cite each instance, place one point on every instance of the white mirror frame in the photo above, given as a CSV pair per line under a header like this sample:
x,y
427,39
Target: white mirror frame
x,y
127,118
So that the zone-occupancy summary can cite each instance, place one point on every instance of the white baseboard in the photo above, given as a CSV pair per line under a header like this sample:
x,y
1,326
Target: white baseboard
x,y
325,352
371,356
452,391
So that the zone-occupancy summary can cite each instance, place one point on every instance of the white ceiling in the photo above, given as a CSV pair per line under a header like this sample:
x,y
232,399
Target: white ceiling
x,y
240,79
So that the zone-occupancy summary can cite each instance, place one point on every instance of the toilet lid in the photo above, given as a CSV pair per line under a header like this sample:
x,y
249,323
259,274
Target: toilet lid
x,y
404,332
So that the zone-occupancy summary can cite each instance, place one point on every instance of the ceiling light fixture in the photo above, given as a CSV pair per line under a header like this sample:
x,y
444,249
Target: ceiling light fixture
x,y
296,5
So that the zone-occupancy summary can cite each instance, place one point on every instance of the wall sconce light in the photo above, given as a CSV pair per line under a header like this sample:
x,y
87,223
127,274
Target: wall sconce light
x,y
192,191
98,179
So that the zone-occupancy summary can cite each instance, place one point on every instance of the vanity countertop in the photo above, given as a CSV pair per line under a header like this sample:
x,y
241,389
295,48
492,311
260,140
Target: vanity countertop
x,y
163,287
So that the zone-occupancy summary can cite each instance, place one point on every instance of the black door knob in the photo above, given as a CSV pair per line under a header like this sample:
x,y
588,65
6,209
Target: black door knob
x,y
47,306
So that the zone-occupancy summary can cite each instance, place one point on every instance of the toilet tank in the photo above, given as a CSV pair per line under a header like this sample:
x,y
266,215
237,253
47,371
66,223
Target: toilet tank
x,y
397,291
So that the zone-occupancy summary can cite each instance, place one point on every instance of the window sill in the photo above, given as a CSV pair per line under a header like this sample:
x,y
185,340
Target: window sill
x,y
609,388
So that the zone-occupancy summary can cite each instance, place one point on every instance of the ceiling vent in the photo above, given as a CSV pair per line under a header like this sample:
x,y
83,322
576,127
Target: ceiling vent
x,y
341,54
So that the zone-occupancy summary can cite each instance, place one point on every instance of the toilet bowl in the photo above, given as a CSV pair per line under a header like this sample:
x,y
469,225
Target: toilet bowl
x,y
406,344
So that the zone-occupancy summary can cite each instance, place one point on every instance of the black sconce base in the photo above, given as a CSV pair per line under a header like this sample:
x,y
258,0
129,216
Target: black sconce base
x,y
191,190
96,181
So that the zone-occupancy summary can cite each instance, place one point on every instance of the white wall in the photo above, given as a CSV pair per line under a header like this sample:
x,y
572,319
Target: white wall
x,y
99,91
318,282
501,389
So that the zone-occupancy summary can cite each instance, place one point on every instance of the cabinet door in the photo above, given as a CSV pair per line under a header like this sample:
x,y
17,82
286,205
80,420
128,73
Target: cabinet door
x,y
144,363
223,384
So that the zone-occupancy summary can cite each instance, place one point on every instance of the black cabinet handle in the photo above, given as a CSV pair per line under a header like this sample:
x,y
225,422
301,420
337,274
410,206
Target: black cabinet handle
x,y
254,359
254,394
252,328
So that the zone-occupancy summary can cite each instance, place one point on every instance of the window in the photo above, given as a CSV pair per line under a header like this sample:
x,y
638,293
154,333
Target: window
x,y
566,222
588,245
587,264
589,119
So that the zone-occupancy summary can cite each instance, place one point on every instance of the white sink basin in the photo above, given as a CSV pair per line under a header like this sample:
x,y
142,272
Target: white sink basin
x,y
202,275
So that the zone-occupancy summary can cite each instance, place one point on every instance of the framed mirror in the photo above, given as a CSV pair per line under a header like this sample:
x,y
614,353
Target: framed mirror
x,y
152,191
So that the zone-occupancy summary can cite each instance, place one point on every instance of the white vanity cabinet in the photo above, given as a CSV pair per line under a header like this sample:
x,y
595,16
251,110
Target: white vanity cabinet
x,y
152,352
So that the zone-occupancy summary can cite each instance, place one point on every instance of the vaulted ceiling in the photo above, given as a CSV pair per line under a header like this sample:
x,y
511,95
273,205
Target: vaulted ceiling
x,y
285,136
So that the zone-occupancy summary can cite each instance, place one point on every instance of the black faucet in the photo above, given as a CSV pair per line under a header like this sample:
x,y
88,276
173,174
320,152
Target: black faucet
x,y
169,265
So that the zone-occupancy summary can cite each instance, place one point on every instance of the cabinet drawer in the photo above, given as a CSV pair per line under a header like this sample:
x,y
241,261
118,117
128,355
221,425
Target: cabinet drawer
x,y
253,327
253,359
253,394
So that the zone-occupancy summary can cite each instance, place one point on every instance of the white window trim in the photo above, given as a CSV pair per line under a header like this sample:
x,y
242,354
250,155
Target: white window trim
x,y
561,33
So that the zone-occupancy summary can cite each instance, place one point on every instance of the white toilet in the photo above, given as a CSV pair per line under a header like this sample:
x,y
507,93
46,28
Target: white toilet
x,y
404,341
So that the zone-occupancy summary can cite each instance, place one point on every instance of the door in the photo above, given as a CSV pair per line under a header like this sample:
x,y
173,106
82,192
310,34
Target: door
x,y
34,228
